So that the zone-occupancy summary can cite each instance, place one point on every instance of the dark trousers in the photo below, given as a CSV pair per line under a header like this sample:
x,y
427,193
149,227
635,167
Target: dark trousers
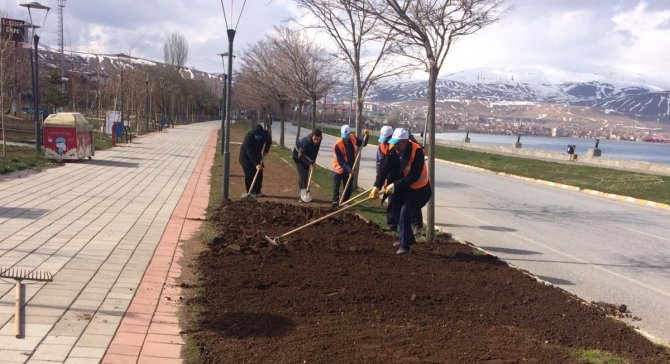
x,y
303,174
341,179
404,208
392,221
249,173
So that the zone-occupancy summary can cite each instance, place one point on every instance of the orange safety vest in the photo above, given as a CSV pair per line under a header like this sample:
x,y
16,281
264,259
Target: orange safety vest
x,y
340,145
423,179
384,148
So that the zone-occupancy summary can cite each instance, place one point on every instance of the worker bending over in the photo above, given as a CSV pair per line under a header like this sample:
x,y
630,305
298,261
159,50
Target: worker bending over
x,y
254,148
304,156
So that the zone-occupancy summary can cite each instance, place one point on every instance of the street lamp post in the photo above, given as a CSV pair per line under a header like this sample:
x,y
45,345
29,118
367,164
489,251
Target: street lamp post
x,y
35,71
226,148
223,100
123,89
231,29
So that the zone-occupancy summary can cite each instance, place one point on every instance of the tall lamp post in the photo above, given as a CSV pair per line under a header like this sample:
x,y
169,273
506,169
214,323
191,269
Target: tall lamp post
x,y
123,89
226,148
36,71
223,100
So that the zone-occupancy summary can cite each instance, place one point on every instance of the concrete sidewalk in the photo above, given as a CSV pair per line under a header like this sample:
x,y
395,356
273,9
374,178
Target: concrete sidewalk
x,y
108,229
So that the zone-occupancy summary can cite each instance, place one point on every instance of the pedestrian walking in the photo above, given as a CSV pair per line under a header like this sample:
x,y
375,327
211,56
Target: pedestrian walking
x,y
344,150
254,148
304,156
411,190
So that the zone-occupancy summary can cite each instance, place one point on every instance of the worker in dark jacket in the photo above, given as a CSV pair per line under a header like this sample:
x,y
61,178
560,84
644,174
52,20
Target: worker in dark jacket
x,y
411,191
254,148
382,165
344,150
304,156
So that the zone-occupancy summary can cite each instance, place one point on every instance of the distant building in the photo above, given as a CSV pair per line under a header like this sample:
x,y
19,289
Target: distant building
x,y
557,132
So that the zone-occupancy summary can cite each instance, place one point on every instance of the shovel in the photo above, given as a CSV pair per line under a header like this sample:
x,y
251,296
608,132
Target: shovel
x,y
248,195
356,163
277,240
305,193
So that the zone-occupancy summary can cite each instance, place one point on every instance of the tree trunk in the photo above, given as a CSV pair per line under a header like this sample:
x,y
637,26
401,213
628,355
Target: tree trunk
x,y
297,135
432,85
282,106
313,113
359,122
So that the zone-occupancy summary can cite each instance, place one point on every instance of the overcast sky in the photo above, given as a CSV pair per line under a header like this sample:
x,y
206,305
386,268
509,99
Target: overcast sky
x,y
632,36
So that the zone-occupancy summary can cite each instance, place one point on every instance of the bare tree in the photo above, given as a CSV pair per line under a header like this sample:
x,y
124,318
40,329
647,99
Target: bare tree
x,y
361,44
428,29
259,60
301,67
175,50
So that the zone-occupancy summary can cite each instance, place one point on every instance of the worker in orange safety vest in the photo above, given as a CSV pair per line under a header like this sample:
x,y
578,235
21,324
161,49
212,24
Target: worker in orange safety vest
x,y
344,156
410,191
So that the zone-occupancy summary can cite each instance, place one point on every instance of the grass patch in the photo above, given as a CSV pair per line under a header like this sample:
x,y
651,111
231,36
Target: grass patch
x,y
20,158
595,356
639,185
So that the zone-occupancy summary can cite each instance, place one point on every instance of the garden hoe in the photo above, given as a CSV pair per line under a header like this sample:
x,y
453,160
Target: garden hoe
x,y
353,170
249,196
277,240
305,193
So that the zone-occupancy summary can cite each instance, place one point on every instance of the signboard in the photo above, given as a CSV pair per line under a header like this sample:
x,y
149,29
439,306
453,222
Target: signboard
x,y
12,30
112,117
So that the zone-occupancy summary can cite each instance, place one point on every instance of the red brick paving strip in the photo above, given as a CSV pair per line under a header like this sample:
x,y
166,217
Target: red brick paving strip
x,y
149,331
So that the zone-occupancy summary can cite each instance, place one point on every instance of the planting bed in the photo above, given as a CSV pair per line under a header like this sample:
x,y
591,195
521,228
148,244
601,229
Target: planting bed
x,y
337,293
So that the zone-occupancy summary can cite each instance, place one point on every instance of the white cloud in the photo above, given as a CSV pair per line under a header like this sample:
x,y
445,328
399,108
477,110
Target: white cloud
x,y
576,35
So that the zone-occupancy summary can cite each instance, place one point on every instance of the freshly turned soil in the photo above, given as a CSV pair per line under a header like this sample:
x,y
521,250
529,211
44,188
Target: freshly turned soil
x,y
337,293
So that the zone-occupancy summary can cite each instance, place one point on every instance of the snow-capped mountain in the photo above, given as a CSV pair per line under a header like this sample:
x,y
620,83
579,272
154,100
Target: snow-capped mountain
x,y
628,94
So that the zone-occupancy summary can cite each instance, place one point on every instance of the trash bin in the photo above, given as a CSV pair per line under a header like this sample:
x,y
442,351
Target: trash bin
x,y
68,135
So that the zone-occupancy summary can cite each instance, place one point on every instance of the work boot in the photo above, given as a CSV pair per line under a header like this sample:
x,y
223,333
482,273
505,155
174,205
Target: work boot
x,y
335,203
396,244
402,250
391,227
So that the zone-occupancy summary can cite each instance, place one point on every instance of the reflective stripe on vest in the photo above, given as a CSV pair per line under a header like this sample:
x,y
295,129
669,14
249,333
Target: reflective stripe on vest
x,y
340,145
423,179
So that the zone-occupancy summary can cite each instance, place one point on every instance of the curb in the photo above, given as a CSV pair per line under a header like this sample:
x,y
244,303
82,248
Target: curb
x,y
610,196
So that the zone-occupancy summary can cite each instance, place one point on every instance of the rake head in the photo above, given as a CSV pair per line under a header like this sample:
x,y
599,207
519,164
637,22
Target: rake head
x,y
25,274
274,241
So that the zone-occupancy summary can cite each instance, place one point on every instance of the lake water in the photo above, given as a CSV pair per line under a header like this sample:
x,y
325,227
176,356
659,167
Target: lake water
x,y
648,152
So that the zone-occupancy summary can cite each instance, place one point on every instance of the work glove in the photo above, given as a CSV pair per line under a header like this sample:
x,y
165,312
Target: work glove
x,y
366,132
347,168
389,189
374,193
259,166
312,167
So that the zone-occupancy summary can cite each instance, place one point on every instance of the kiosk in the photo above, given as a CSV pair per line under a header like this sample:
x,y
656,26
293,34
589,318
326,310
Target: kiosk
x,y
68,135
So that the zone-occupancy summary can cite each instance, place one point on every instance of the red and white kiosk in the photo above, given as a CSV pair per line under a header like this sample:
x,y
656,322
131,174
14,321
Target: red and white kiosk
x,y
68,136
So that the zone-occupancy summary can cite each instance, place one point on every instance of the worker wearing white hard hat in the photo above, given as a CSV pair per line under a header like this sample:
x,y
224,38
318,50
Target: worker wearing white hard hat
x,y
385,134
409,188
344,157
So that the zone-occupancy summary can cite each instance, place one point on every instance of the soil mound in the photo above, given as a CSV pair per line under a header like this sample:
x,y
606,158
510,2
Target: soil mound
x,y
336,292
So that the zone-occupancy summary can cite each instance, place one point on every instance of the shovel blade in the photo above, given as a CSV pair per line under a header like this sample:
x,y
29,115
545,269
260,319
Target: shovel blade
x,y
306,195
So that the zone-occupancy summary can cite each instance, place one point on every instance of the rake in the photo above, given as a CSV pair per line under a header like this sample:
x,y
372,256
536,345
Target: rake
x,y
20,275
277,240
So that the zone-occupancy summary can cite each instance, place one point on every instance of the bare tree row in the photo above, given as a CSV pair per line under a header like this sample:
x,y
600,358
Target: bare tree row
x,y
374,40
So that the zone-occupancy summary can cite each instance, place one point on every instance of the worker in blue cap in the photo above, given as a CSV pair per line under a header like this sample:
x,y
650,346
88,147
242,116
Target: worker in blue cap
x,y
254,148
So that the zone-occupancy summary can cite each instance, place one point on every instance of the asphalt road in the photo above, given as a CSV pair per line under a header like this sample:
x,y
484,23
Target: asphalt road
x,y
598,249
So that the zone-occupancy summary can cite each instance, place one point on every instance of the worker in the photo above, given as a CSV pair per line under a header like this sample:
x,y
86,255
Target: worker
x,y
344,150
304,156
411,191
382,152
254,148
